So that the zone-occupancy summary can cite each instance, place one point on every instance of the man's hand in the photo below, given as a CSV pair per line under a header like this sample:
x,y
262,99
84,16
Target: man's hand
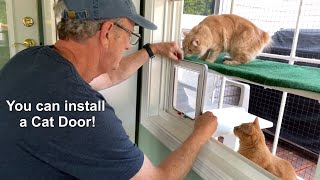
x,y
179,162
205,125
170,50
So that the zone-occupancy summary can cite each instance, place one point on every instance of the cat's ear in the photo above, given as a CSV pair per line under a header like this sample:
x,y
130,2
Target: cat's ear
x,y
196,42
256,122
185,33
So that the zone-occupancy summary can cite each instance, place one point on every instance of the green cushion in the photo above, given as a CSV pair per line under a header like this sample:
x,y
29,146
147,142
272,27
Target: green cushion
x,y
270,73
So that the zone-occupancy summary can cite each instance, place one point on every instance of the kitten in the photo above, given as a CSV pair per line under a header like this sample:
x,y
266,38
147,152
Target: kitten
x,y
254,148
225,33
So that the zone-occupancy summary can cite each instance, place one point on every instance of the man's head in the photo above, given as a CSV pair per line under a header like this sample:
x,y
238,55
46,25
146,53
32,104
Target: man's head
x,y
110,22
88,16
105,9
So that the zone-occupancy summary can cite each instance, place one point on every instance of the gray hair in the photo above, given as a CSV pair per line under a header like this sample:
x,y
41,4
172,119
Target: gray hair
x,y
78,30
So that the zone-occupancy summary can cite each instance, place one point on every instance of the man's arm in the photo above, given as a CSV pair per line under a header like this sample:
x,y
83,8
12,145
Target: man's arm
x,y
130,64
179,162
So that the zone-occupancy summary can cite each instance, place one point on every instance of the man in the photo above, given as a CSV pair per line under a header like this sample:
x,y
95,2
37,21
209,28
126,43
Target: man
x,y
45,94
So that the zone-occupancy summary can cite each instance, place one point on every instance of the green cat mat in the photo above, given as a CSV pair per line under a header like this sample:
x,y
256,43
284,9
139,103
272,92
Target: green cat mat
x,y
269,73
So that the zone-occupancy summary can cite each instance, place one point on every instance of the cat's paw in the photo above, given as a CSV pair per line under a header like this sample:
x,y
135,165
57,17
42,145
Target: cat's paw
x,y
231,62
211,60
203,58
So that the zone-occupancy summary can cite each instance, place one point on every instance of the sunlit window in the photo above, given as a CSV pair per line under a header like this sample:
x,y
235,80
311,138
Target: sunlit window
x,y
4,40
299,140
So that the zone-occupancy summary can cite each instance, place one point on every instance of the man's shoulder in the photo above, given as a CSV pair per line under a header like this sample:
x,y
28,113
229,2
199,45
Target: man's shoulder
x,y
44,75
33,60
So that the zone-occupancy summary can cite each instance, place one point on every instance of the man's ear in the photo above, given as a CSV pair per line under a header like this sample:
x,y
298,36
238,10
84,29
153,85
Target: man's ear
x,y
105,31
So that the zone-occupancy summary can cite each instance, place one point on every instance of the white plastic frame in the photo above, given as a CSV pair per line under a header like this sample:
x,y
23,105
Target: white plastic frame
x,y
202,69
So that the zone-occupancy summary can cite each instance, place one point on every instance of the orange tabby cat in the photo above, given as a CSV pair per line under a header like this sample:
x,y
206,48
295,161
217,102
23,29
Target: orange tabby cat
x,y
253,147
225,33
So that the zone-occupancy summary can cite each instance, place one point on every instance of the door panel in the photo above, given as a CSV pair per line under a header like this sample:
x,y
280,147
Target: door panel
x,y
12,29
49,22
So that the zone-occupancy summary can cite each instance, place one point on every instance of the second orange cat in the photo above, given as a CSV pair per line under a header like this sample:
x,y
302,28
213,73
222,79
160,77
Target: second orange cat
x,y
254,148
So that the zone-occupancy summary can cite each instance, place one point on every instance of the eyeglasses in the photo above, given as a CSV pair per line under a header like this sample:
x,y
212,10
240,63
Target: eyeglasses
x,y
134,37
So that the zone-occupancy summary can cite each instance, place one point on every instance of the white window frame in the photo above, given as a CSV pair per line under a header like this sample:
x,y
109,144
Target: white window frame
x,y
215,161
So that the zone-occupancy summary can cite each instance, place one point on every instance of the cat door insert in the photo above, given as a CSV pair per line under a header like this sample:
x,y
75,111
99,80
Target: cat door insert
x,y
186,91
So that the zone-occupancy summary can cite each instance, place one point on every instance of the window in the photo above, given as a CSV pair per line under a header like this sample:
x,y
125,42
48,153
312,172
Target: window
x,y
215,160
4,39
294,27
198,7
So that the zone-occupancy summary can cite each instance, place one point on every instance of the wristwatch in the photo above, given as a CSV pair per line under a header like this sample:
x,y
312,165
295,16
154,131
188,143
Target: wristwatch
x,y
149,51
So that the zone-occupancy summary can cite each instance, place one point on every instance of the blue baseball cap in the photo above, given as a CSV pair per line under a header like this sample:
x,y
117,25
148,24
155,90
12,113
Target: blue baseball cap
x,y
105,9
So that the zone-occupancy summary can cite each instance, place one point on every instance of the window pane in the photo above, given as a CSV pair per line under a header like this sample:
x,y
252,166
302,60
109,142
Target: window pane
x,y
309,36
185,91
231,94
4,41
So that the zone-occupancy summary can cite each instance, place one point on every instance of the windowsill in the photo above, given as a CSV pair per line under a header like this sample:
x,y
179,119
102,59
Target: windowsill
x,y
215,160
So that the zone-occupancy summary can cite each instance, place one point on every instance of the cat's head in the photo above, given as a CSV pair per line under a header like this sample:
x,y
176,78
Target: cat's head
x,y
197,41
248,131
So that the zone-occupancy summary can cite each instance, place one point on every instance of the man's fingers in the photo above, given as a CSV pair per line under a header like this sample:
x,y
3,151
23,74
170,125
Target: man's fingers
x,y
178,56
174,57
178,51
172,51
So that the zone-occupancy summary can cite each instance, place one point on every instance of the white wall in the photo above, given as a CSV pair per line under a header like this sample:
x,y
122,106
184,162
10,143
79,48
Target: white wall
x,y
123,97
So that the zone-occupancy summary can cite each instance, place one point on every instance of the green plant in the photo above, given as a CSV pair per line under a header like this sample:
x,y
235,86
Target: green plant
x,y
3,15
4,50
198,7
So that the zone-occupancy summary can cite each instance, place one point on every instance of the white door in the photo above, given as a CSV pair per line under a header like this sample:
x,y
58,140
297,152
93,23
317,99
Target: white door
x,y
19,27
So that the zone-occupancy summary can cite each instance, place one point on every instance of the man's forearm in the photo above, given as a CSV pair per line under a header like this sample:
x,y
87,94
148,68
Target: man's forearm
x,y
179,163
128,66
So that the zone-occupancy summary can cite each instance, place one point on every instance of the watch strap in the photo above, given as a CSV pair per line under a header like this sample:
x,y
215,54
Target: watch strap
x,y
149,50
